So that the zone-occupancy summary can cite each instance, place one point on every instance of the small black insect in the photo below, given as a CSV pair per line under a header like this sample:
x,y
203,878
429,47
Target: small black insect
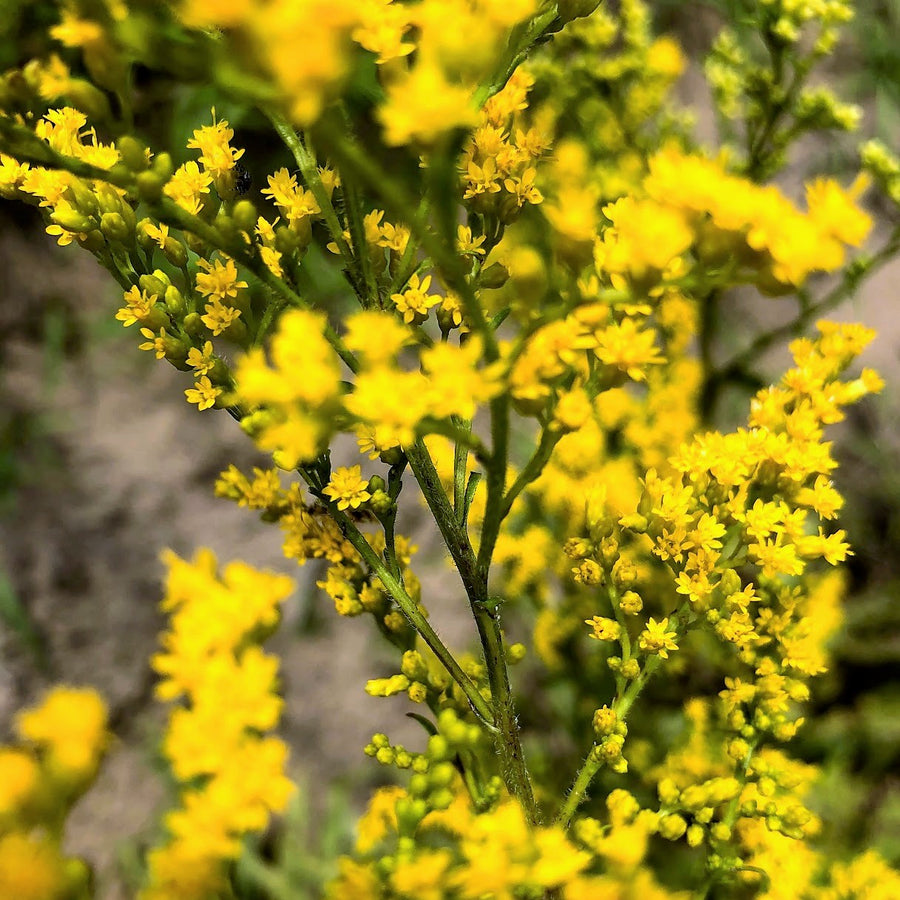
x,y
242,180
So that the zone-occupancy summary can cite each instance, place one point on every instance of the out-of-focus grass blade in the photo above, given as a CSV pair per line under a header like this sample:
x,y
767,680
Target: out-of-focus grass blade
x,y
14,616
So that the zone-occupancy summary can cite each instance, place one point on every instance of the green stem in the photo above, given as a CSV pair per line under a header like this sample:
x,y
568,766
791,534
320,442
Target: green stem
x,y
396,201
368,290
851,281
487,621
306,162
594,762
460,458
496,483
506,741
516,54
622,706
533,468
410,609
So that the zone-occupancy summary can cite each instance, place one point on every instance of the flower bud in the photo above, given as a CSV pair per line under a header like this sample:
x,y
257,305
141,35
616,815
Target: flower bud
x,y
152,284
85,96
175,252
494,276
71,219
605,720
150,186
576,9
244,215
174,301
695,835
115,228
133,153
672,827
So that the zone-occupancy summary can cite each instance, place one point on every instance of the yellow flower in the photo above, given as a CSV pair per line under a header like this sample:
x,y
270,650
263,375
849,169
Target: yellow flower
x,y
656,638
204,393
187,186
456,386
348,488
423,104
377,336
466,243
18,778
218,317
70,724
138,304
217,156
628,347
202,361
31,868
415,301
219,280
603,629
156,342
835,212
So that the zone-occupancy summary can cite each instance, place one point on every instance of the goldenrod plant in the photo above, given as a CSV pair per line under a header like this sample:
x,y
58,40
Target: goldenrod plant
x,y
537,257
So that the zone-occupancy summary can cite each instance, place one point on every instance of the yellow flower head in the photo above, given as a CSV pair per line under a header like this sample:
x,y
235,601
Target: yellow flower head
x,y
70,724
348,488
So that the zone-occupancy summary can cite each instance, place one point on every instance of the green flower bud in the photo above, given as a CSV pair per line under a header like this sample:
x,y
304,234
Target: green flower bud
x,y
236,331
442,775
439,747
175,252
163,166
409,813
244,215
494,276
85,96
133,153
302,229
72,219
384,755
152,284
516,653
193,325
418,785
391,457
115,228
174,301
576,9
150,185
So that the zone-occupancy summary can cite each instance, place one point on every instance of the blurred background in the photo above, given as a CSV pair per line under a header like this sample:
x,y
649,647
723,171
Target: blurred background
x,y
102,464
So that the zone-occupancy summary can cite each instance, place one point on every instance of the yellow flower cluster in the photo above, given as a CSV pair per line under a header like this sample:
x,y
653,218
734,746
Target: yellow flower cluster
x,y
298,419
431,55
63,740
494,853
694,203
531,338
79,209
499,162
298,416
615,130
231,784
